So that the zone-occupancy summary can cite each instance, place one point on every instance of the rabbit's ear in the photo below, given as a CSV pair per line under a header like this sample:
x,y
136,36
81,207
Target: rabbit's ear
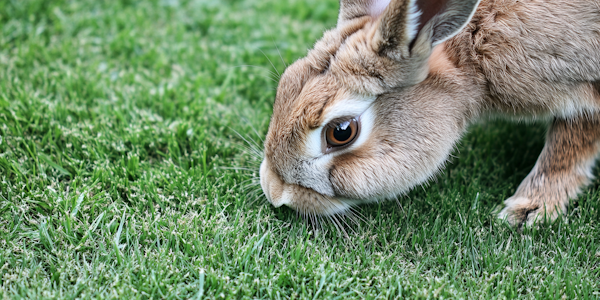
x,y
405,23
352,9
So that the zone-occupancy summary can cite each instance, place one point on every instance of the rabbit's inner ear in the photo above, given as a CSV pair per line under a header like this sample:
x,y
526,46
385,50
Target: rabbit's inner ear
x,y
453,17
429,9
397,27
405,22
352,9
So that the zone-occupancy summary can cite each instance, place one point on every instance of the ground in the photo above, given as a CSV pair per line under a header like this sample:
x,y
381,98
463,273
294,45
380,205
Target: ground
x,y
122,173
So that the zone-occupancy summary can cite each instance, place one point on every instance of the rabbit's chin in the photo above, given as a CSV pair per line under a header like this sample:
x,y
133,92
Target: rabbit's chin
x,y
299,198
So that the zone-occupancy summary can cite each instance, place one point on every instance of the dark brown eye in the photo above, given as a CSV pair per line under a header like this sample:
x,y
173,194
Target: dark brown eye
x,y
342,134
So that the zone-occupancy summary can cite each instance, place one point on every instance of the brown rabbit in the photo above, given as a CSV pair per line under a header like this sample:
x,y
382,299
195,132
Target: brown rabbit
x,y
377,106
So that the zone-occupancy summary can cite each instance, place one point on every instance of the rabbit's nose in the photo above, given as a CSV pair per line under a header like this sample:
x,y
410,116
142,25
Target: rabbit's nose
x,y
271,185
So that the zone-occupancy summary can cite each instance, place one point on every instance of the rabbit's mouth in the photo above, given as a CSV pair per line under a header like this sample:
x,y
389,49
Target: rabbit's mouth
x,y
302,199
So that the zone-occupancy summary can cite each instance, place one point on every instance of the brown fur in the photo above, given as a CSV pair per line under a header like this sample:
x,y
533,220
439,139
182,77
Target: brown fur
x,y
439,61
522,59
562,169
532,57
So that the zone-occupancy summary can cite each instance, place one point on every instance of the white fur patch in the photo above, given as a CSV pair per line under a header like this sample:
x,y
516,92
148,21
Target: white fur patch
x,y
335,207
351,107
347,107
377,7
286,197
313,143
367,122
412,24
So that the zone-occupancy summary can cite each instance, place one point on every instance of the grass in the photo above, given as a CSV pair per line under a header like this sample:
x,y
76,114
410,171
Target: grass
x,y
118,124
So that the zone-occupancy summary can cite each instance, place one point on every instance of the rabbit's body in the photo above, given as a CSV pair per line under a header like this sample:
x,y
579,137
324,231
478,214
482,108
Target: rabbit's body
x,y
401,84
537,59
533,58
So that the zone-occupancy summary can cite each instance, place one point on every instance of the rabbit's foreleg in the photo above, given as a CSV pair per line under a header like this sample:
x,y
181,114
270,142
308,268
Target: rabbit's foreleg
x,y
562,169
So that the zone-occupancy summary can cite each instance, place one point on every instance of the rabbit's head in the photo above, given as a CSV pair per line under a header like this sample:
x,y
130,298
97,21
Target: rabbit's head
x,y
364,116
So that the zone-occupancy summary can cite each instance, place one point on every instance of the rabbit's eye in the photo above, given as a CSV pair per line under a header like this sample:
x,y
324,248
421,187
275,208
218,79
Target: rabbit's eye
x,y
342,134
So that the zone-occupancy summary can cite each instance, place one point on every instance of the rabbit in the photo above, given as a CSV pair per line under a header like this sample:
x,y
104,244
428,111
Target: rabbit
x,y
379,103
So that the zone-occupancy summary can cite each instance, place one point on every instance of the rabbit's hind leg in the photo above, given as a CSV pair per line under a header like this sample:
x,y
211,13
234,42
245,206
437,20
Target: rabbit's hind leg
x,y
562,170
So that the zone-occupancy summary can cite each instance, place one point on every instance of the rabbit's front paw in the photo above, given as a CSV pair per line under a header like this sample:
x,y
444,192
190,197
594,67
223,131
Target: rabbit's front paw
x,y
521,210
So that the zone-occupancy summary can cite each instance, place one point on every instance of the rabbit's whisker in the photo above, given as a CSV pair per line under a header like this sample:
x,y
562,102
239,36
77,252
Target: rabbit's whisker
x,y
279,75
273,76
254,145
238,169
281,57
254,130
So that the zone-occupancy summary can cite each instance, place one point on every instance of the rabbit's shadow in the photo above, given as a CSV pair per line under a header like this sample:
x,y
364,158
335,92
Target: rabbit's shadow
x,y
487,166
500,151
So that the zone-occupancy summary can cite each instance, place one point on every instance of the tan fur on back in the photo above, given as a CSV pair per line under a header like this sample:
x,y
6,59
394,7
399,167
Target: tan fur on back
x,y
530,57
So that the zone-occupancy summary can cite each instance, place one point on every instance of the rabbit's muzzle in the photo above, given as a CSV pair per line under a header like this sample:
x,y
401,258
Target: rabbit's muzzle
x,y
299,198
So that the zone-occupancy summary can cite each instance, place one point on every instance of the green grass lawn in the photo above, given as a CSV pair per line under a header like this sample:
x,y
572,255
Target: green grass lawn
x,y
119,171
